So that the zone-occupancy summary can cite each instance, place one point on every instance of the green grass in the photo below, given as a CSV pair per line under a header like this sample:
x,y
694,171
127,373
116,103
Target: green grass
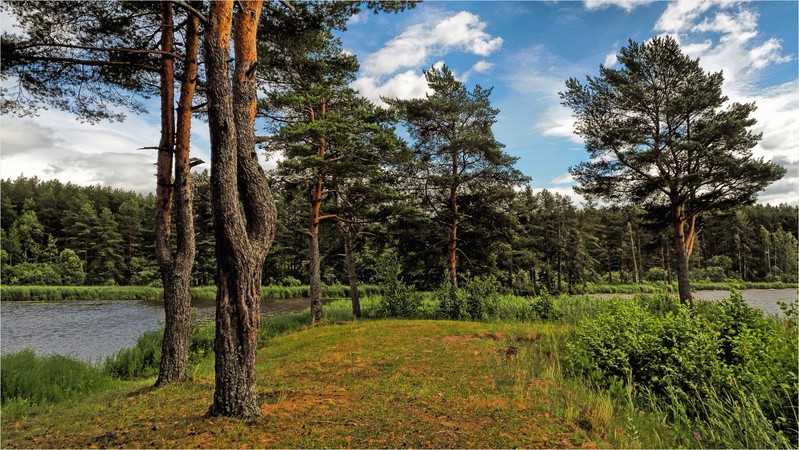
x,y
392,383
67,293
364,384
28,379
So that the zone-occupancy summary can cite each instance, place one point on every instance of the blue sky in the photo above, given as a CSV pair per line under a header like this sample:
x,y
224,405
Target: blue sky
x,y
524,49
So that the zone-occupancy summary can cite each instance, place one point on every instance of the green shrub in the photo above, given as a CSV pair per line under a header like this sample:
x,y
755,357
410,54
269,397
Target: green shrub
x,y
543,307
481,296
656,274
451,301
398,299
290,281
659,304
689,357
32,379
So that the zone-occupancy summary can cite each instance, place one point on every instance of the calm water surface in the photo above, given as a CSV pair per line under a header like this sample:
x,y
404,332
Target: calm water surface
x,y
764,299
95,330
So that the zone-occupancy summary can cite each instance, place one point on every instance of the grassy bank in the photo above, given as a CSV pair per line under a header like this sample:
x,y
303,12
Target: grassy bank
x,y
360,384
68,293
569,371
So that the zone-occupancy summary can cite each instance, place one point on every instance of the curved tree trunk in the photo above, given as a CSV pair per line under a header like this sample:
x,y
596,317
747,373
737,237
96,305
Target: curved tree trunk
x,y
177,278
244,211
683,278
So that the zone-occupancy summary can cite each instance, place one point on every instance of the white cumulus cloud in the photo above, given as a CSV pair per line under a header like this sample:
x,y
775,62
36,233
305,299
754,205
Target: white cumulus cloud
x,y
482,66
627,5
462,31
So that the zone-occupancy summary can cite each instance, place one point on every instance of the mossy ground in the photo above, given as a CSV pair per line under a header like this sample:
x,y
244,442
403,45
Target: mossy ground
x,y
385,383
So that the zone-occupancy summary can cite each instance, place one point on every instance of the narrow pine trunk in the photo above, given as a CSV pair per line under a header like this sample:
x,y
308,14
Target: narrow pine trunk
x,y
452,243
636,273
683,278
177,295
177,327
315,276
163,209
244,210
352,274
314,260
452,260
173,348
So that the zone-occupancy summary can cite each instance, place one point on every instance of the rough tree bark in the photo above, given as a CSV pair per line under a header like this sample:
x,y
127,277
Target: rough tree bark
x,y
177,274
314,260
452,243
683,279
244,211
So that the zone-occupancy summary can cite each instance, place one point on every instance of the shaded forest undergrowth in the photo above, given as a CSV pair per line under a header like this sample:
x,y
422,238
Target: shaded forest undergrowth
x,y
574,372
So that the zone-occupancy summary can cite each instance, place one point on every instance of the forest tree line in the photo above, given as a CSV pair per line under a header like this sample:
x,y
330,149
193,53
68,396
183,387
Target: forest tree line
x,y
64,234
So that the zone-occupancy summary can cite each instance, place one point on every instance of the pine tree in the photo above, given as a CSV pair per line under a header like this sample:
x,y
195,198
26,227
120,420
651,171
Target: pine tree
x,y
659,135
106,246
456,147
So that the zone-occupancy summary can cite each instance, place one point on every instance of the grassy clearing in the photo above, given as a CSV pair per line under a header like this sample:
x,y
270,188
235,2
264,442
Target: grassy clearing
x,y
384,383
431,383
68,293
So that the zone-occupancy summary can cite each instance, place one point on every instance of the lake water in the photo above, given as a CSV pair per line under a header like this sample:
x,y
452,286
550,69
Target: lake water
x,y
94,330
764,299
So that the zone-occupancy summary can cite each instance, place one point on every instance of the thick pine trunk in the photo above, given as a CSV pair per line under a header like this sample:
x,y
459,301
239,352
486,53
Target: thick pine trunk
x,y
244,211
683,278
352,274
237,321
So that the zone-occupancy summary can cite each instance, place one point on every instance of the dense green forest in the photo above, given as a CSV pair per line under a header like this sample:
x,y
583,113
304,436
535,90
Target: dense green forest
x,y
63,234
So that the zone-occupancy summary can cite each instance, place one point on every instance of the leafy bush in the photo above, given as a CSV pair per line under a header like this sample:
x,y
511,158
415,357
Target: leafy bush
x,y
398,299
32,379
659,304
451,301
481,296
656,274
691,356
543,307
290,281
